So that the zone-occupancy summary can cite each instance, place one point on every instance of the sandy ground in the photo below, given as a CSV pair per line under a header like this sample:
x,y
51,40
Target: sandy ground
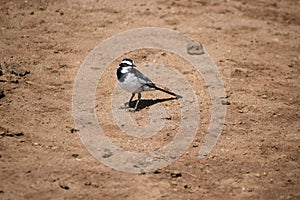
x,y
256,46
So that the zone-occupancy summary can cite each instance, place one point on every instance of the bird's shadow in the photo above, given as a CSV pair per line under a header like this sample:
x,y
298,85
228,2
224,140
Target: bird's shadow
x,y
144,103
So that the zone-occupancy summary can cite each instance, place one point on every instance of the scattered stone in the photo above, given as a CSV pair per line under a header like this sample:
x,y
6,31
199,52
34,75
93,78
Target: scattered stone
x,y
174,183
176,174
29,82
16,69
265,173
74,130
187,187
12,79
2,93
6,133
247,189
75,155
225,102
53,147
195,49
196,145
293,158
237,73
93,184
257,175
163,53
64,186
11,72
62,65
59,12
107,153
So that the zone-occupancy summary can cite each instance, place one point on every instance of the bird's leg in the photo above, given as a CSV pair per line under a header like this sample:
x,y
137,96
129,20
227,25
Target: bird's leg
x,y
137,102
133,94
128,104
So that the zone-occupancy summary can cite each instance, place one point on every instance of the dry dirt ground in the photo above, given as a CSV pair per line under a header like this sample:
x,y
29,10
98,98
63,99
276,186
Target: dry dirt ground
x,y
256,46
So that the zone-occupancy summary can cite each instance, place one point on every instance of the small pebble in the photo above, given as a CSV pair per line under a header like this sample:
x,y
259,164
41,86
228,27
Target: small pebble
x,y
75,155
64,186
225,102
257,175
176,174
195,49
74,130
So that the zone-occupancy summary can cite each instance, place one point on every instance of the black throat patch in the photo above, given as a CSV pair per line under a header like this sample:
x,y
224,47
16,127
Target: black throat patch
x,y
121,77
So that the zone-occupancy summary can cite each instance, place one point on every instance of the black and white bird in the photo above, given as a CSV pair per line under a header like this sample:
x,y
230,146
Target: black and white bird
x,y
132,80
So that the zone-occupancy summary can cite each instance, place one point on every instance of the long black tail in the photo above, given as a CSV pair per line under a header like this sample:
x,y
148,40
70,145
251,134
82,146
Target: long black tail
x,y
168,92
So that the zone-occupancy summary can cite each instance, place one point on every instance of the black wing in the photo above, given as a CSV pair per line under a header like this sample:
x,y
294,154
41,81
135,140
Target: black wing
x,y
142,78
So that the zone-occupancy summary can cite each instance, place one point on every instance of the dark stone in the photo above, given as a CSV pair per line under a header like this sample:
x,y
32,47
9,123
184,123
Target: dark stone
x,y
195,49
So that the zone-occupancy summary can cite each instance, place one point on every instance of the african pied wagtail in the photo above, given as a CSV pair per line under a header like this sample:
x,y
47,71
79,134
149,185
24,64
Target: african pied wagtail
x,y
133,81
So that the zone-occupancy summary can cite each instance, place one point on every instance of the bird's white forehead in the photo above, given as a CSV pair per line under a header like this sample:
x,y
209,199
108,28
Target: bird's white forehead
x,y
125,69
127,62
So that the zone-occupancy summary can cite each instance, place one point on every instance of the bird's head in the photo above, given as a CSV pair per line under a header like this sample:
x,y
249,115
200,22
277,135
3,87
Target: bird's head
x,y
126,63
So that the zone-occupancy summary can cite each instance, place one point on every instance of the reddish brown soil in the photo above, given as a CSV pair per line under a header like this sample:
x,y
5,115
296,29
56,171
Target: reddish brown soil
x,y
256,45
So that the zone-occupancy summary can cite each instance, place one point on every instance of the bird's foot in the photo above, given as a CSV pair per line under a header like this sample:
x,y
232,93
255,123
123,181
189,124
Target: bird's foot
x,y
127,106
